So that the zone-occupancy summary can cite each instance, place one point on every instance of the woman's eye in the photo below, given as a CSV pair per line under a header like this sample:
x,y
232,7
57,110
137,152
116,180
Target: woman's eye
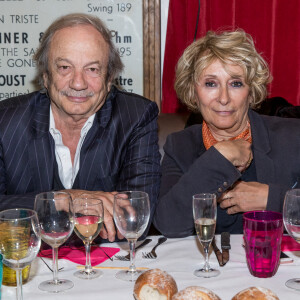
x,y
210,84
237,84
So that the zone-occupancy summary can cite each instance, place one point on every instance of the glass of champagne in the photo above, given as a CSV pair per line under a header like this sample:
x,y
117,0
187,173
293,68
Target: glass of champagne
x,y
20,240
291,220
88,222
205,215
55,213
131,215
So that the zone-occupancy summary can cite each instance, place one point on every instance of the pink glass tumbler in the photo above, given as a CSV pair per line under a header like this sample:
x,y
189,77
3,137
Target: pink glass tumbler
x,y
262,237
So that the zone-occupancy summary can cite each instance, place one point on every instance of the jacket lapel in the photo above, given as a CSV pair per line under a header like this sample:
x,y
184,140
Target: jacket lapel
x,y
41,147
92,153
265,169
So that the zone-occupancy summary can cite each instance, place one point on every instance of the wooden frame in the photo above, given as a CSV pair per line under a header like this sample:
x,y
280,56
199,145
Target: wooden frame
x,y
151,49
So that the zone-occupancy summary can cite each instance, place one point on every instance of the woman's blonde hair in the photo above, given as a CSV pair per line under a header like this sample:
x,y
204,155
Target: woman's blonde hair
x,y
230,47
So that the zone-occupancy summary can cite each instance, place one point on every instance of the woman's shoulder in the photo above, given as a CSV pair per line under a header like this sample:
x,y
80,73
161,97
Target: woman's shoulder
x,y
192,133
281,123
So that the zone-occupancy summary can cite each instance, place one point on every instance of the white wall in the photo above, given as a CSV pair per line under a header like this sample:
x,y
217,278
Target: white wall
x,y
164,20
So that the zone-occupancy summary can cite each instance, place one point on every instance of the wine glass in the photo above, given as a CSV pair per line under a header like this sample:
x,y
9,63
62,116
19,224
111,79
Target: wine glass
x,y
88,222
131,215
291,220
205,215
20,240
55,213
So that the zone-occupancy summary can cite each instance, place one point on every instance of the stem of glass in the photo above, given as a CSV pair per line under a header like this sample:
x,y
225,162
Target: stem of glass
x,y
19,284
206,266
88,265
55,266
132,267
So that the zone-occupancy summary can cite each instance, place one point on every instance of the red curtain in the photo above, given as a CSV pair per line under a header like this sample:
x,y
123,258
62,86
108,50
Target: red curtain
x,y
273,24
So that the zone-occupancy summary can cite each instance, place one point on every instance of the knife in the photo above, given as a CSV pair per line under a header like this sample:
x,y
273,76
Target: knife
x,y
217,252
225,245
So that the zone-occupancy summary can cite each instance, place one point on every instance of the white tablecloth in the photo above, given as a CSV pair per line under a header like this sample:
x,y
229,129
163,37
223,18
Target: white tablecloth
x,y
179,257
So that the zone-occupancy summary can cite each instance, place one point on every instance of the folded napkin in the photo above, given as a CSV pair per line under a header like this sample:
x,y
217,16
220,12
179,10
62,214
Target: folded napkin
x,y
78,255
289,244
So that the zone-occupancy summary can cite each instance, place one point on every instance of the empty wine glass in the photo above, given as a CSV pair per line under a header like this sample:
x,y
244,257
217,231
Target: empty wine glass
x,y
55,213
291,220
20,240
88,222
131,215
205,215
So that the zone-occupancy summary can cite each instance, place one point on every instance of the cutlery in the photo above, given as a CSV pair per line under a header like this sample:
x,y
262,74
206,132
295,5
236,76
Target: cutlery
x,y
49,266
152,253
127,257
217,252
113,268
225,245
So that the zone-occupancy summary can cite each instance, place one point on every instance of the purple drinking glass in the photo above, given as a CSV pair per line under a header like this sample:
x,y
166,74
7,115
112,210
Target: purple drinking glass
x,y
262,237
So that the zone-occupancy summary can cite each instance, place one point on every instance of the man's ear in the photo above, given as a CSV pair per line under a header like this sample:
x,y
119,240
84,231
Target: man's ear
x,y
109,84
45,79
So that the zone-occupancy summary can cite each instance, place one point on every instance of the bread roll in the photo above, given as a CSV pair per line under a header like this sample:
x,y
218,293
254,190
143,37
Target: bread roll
x,y
195,293
257,293
154,284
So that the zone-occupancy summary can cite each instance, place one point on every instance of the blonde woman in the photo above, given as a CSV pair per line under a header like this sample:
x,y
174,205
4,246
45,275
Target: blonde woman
x,y
247,159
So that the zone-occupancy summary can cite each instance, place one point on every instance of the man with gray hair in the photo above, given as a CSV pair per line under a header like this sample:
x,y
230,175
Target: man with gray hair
x,y
80,133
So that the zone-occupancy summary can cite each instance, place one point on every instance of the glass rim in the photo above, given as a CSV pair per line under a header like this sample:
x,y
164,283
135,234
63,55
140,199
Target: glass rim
x,y
294,192
87,198
278,215
52,192
143,194
204,195
34,213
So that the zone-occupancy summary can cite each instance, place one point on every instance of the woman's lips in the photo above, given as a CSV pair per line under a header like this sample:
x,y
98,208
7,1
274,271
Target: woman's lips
x,y
224,112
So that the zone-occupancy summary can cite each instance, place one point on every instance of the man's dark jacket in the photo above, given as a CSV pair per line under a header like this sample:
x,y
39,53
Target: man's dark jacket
x,y
120,152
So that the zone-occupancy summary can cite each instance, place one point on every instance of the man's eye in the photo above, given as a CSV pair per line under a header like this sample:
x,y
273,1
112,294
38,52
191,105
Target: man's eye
x,y
93,71
64,69
237,84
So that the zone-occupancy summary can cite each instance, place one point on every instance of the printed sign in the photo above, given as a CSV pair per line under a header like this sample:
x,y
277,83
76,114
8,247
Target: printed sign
x,y
22,23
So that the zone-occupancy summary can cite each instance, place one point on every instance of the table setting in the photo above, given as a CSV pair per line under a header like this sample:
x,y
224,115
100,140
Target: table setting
x,y
225,255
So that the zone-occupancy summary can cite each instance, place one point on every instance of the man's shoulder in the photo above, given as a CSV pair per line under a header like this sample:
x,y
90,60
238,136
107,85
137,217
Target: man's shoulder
x,y
123,98
20,101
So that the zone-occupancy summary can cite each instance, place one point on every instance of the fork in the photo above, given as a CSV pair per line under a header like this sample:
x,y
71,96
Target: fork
x,y
127,257
152,253
49,266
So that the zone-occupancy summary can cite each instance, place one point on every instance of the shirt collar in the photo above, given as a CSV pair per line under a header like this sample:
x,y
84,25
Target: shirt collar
x,y
87,125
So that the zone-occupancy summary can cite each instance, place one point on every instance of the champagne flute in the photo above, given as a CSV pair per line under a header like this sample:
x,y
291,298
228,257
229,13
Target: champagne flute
x,y
88,222
291,220
20,240
205,215
55,213
131,215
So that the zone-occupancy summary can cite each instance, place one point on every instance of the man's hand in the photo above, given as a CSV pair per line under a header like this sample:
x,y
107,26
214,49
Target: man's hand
x,y
238,152
109,230
245,196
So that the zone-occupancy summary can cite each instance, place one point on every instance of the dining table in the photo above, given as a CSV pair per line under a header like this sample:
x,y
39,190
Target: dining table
x,y
177,256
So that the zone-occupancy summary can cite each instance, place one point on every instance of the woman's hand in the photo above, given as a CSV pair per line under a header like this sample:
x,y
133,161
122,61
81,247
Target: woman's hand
x,y
238,152
245,196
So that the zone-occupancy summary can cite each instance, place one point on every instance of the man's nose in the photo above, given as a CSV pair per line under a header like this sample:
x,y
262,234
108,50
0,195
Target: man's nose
x,y
78,81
